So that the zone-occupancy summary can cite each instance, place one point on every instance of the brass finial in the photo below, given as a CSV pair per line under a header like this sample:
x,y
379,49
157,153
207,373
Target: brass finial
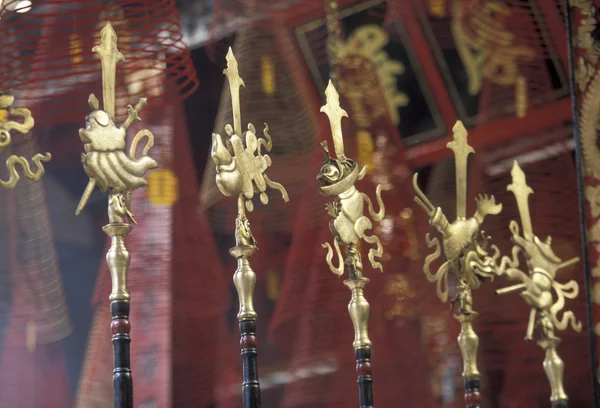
x,y
241,171
461,150
235,81
6,126
465,250
536,286
109,57
337,177
107,164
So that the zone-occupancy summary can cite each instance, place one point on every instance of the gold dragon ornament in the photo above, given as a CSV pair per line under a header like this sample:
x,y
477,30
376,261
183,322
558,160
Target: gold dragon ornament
x,y
349,225
6,126
536,286
465,250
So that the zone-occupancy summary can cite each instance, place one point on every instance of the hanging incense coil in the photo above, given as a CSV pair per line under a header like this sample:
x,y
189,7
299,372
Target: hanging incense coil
x,y
47,51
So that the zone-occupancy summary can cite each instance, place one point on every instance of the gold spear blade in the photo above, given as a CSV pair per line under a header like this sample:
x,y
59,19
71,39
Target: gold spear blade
x,y
335,114
461,150
87,193
521,191
109,57
235,81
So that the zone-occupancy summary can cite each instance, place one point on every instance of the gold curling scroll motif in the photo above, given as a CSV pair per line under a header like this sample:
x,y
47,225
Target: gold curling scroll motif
x,y
8,124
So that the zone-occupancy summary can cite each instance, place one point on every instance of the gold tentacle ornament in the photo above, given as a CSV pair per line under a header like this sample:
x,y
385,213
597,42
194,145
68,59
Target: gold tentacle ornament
x,y
467,251
537,286
33,173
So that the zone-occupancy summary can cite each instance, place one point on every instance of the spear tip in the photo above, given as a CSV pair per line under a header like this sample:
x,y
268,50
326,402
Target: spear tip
x,y
460,146
231,72
521,191
335,113
519,181
459,142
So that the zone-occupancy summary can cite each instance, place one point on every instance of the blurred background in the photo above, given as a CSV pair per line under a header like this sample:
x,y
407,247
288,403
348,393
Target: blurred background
x,y
406,71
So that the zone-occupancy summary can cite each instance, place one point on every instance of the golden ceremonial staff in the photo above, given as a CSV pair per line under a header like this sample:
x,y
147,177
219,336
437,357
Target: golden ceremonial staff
x,y
349,226
6,126
466,253
241,171
537,285
110,168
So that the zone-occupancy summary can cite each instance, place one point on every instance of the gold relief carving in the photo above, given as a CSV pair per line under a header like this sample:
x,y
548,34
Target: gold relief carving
x,y
368,70
592,196
584,38
588,126
588,83
485,46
